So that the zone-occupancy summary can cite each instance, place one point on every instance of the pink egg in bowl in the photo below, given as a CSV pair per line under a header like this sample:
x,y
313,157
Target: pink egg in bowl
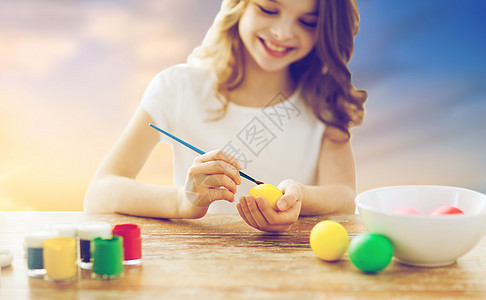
x,y
424,240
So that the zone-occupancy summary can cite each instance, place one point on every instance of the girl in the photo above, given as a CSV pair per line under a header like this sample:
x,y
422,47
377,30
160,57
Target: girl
x,y
267,92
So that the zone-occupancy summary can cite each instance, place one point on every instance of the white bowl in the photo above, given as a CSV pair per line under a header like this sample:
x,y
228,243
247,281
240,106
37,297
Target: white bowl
x,y
424,240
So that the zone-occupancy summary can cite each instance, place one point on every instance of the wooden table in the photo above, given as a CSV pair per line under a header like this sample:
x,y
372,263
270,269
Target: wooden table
x,y
220,257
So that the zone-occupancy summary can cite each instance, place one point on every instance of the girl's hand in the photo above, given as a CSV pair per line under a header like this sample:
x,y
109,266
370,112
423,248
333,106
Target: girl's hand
x,y
212,176
259,214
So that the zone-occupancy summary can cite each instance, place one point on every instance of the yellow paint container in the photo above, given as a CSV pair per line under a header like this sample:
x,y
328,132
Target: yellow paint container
x,y
60,258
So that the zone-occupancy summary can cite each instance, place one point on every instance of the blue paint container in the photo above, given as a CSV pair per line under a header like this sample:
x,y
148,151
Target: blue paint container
x,y
34,241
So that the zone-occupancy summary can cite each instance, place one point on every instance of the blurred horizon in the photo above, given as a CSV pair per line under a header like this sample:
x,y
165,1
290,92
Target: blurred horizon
x,y
73,72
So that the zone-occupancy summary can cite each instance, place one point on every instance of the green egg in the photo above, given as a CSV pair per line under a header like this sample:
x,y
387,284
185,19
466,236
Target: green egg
x,y
370,252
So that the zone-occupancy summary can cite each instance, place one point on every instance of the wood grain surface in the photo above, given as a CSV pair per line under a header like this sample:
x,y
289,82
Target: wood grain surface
x,y
220,257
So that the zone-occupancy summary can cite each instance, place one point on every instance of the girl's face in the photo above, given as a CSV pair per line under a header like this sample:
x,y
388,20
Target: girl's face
x,y
277,33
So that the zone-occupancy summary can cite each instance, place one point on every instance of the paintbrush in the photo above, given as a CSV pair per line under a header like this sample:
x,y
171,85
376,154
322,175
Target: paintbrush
x,y
197,150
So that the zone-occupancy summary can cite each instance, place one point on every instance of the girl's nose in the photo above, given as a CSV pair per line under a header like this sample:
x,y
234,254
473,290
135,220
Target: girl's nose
x,y
282,30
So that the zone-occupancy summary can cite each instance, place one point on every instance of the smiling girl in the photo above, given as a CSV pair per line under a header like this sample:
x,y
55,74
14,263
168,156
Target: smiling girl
x,y
267,92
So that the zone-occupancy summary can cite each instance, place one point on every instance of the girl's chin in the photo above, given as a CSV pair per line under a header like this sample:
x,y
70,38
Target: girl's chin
x,y
274,70
264,63
272,67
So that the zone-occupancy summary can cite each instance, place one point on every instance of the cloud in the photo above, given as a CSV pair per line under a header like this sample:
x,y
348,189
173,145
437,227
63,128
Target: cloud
x,y
32,55
72,74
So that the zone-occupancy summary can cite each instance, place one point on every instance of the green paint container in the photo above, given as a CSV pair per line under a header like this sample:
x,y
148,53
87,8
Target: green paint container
x,y
107,257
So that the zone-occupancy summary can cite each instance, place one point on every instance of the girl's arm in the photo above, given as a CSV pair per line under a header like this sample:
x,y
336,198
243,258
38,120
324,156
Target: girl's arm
x,y
336,180
114,188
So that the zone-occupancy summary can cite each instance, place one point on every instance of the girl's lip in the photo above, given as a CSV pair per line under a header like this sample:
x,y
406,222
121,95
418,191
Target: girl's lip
x,y
273,52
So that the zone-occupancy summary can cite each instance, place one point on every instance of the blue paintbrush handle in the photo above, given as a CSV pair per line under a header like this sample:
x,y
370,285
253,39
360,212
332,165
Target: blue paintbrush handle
x,y
196,149
177,139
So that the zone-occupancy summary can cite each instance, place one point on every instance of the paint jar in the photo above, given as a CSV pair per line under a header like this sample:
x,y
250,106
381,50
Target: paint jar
x,y
60,258
34,243
64,229
107,258
132,243
86,233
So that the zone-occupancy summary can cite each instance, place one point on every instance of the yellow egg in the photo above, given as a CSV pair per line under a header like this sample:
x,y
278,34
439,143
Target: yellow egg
x,y
268,192
329,240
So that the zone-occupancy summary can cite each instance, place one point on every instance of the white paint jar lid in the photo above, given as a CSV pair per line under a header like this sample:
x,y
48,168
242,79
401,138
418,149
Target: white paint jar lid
x,y
5,258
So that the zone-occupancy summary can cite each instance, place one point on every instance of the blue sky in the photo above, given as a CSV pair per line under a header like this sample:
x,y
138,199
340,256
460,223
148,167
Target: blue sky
x,y
424,66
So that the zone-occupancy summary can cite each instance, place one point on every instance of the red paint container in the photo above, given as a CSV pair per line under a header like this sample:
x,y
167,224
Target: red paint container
x,y
132,243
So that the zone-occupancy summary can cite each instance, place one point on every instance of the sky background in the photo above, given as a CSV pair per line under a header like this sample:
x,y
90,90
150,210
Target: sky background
x,y
73,72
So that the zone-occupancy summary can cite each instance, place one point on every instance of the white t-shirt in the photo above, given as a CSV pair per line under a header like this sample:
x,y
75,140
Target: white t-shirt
x,y
272,143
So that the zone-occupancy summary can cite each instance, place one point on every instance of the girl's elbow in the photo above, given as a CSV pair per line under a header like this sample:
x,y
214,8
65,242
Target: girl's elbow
x,y
90,205
95,202
349,206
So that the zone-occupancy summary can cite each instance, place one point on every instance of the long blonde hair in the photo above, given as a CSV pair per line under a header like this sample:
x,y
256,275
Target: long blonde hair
x,y
323,75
